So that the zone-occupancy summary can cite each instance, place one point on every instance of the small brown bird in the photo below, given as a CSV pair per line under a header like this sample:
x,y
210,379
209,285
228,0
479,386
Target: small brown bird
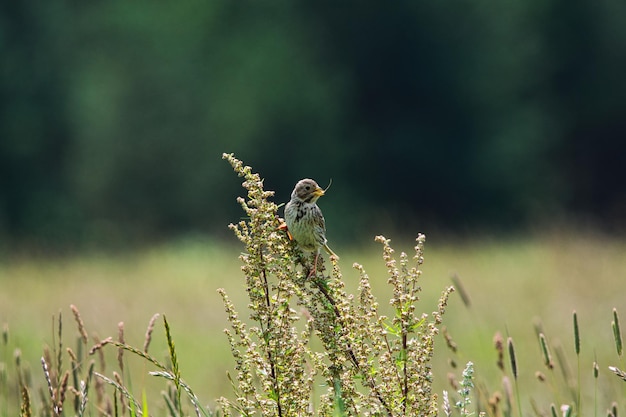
x,y
304,219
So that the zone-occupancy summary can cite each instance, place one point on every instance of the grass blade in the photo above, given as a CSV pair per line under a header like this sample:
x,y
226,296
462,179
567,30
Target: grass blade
x,y
617,334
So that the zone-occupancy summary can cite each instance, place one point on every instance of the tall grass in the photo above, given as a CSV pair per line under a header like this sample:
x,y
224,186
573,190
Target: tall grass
x,y
560,393
504,285
369,363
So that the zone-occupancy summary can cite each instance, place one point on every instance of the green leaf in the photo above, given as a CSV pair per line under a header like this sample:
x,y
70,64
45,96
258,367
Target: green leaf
x,y
144,403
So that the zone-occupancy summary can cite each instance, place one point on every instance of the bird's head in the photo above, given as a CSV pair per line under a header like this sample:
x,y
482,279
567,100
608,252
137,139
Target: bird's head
x,y
307,190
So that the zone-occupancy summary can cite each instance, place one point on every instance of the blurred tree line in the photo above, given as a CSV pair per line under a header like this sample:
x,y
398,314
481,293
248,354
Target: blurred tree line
x,y
461,115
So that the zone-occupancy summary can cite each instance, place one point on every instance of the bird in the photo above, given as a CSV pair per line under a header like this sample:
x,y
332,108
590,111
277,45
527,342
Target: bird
x,y
305,221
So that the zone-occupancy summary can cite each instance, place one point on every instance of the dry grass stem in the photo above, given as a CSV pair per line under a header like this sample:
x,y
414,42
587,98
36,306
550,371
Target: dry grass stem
x,y
498,343
149,330
80,323
120,352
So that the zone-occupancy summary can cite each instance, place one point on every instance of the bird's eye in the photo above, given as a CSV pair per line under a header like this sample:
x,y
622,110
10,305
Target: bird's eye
x,y
308,187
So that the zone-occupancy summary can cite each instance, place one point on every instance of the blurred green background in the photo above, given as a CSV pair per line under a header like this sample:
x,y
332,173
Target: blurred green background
x,y
454,116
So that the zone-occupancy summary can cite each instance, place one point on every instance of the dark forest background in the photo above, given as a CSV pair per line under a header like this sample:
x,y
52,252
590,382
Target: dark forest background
x,y
460,116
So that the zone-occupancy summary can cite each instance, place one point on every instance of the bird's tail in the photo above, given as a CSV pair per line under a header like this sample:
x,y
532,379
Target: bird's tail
x,y
330,251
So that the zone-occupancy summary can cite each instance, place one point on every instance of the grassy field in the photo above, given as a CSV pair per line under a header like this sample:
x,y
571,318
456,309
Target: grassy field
x,y
512,284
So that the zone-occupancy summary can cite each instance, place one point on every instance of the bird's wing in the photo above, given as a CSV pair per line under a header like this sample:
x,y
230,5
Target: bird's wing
x,y
319,218
319,226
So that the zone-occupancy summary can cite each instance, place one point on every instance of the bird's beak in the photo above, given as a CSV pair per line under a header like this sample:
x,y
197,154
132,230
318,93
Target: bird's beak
x,y
318,192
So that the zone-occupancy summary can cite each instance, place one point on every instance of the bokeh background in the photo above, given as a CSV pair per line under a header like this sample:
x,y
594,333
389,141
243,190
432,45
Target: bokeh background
x,y
462,116
500,123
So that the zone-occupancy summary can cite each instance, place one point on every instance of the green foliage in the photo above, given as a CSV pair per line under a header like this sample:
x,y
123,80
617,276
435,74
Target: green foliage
x,y
112,114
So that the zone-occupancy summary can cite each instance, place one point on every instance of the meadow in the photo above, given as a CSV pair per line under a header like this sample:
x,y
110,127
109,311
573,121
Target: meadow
x,y
515,286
